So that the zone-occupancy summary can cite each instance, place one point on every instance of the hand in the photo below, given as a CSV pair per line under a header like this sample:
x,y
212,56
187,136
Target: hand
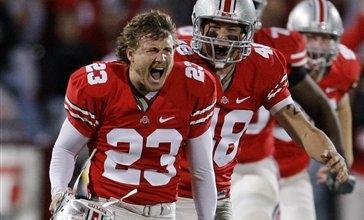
x,y
336,163
322,174
57,199
340,188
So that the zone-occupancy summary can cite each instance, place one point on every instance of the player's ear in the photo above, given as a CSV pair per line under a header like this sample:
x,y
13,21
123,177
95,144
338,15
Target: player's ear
x,y
130,55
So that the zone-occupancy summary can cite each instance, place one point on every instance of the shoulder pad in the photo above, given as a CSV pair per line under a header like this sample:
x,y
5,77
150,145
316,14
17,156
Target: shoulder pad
x,y
94,80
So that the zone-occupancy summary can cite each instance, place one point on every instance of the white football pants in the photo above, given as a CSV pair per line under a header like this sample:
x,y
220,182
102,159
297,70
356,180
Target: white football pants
x,y
352,205
185,209
254,193
296,197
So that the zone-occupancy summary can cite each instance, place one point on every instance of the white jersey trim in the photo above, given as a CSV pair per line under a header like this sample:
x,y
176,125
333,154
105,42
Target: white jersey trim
x,y
78,109
281,104
299,63
208,108
299,55
201,120
81,118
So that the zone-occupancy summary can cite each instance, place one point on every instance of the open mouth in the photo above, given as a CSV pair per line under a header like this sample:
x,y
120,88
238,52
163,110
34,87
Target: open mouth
x,y
221,51
157,73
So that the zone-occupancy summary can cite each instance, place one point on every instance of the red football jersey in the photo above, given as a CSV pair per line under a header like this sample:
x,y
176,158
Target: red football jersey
x,y
354,34
138,149
259,141
290,43
340,78
260,79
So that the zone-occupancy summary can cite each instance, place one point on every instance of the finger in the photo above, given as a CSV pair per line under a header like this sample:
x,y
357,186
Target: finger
x,y
337,168
321,179
342,176
323,170
333,164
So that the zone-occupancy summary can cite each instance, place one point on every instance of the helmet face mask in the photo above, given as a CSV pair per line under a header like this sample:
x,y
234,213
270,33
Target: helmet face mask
x,y
231,48
321,50
80,209
317,19
211,15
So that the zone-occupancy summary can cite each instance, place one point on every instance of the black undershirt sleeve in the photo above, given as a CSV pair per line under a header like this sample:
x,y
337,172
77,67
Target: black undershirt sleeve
x,y
297,75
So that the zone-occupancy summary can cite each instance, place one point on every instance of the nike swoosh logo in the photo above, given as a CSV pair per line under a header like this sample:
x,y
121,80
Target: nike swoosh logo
x,y
238,101
162,120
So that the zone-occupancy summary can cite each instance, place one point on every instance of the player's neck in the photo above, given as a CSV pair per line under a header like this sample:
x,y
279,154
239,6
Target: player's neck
x,y
225,71
317,75
226,75
136,84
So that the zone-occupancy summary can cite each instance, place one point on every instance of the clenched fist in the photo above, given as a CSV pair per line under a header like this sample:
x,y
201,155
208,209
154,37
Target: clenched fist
x,y
336,163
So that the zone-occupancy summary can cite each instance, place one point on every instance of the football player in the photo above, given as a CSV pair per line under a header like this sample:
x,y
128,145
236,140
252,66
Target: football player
x,y
255,187
336,70
137,113
251,75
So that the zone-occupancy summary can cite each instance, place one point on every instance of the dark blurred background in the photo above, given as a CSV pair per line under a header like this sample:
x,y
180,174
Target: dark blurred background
x,y
43,41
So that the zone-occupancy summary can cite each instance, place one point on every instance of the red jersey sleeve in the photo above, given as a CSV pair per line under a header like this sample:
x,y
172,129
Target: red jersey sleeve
x,y
202,88
290,43
85,97
273,80
349,67
354,35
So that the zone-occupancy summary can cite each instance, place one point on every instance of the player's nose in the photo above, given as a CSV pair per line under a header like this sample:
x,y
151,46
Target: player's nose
x,y
222,33
161,57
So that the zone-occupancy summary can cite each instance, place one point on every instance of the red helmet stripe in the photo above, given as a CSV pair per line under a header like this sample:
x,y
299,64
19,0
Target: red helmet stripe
x,y
227,5
321,10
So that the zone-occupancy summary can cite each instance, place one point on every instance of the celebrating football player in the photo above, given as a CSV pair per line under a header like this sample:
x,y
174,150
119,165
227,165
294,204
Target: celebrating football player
x,y
336,70
254,191
137,113
251,76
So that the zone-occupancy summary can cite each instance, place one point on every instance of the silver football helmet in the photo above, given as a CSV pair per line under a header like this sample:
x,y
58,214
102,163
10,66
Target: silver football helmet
x,y
239,12
71,208
317,17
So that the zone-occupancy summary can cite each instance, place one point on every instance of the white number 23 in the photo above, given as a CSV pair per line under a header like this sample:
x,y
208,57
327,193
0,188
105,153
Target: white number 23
x,y
135,141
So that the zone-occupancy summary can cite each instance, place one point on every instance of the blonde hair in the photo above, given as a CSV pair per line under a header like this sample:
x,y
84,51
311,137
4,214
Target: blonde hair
x,y
153,24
